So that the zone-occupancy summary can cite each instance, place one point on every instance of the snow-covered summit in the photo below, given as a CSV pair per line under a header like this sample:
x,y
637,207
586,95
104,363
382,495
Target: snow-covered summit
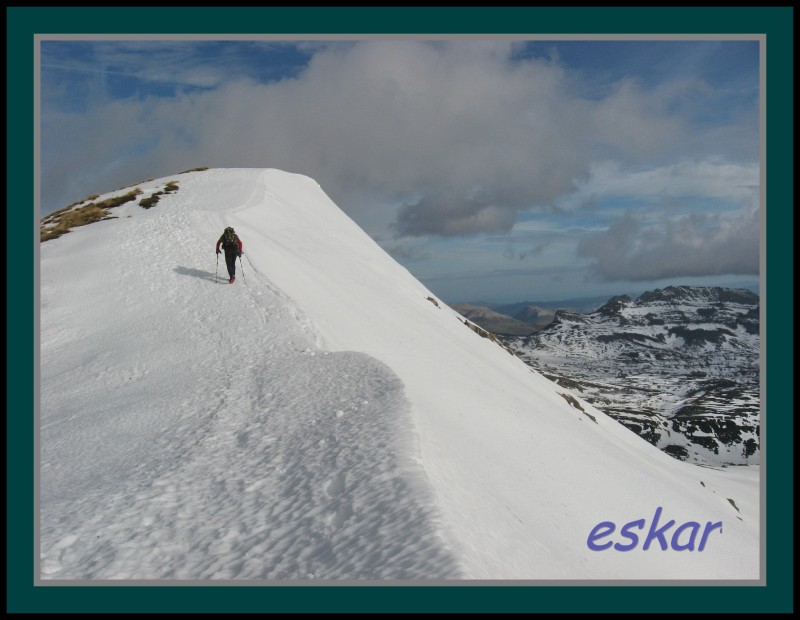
x,y
326,417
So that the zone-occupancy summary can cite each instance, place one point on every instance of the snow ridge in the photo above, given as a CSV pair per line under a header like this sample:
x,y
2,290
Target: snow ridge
x,y
213,479
321,419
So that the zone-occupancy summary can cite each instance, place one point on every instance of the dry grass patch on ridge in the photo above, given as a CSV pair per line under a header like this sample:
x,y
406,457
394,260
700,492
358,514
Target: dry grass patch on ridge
x,y
152,200
62,221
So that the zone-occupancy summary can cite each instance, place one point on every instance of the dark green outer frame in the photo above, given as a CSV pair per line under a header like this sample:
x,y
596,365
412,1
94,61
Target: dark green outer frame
x,y
23,23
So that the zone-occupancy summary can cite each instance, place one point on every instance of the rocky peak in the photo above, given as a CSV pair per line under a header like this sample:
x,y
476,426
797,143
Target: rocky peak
x,y
568,316
614,305
709,294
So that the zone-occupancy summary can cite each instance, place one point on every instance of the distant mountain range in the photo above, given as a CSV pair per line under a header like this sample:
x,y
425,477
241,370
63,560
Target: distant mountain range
x,y
522,318
580,304
678,366
526,322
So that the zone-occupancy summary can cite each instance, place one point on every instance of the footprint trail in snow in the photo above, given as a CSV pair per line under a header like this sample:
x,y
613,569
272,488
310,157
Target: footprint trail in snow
x,y
246,452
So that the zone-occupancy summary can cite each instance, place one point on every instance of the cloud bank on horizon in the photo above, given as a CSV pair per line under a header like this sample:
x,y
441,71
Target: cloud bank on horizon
x,y
490,168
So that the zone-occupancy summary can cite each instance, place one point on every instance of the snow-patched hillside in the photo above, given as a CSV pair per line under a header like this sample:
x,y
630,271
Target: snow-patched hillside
x,y
679,366
327,418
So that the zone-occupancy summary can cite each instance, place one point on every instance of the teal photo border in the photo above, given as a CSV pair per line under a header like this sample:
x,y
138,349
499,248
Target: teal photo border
x,y
23,24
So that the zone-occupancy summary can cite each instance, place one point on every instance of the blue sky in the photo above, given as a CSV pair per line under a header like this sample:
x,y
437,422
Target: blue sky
x,y
495,170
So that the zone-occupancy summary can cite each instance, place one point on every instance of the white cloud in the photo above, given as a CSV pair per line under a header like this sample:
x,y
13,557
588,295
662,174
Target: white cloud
x,y
693,245
709,178
477,137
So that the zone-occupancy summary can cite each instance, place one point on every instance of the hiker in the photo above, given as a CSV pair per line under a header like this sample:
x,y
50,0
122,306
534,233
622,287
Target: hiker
x,y
233,247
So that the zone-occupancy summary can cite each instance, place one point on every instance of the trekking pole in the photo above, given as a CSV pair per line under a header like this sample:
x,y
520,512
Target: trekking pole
x,y
241,264
217,269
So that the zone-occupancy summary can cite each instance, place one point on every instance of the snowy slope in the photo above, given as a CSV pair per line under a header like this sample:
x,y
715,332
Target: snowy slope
x,y
323,418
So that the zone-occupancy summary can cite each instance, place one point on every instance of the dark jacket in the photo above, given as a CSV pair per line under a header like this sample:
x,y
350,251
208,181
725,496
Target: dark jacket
x,y
235,248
